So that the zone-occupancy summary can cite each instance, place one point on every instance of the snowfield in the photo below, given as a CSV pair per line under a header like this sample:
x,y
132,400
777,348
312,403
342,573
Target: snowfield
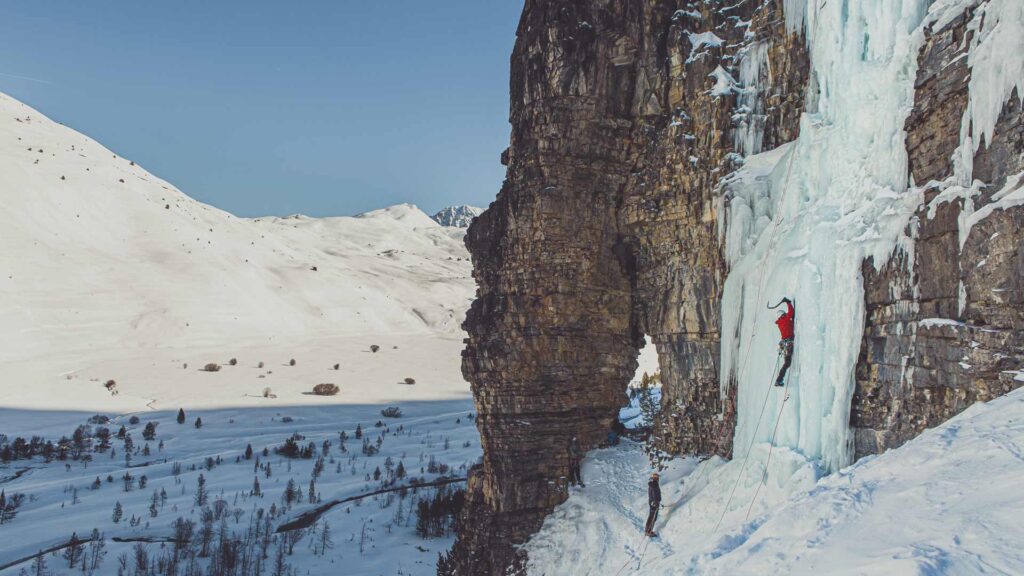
x,y
948,502
111,274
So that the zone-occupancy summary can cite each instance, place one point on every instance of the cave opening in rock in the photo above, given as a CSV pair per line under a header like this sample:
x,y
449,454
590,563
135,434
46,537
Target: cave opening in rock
x,y
644,390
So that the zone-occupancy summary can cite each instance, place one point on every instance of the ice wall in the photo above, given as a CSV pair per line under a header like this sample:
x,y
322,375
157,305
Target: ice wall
x,y
801,220
755,73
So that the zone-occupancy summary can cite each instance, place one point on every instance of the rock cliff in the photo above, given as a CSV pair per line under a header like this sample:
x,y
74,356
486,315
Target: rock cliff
x,y
626,116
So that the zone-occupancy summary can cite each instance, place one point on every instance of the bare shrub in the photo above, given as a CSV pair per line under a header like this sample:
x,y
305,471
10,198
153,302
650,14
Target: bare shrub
x,y
267,393
337,366
410,381
233,362
291,362
110,385
374,348
326,389
211,367
260,365
391,412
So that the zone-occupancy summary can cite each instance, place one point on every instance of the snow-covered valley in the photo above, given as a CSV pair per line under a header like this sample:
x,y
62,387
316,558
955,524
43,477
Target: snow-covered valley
x,y
118,290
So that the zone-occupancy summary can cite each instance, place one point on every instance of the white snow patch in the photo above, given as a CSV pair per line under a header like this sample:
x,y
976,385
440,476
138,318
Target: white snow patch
x,y
946,502
724,83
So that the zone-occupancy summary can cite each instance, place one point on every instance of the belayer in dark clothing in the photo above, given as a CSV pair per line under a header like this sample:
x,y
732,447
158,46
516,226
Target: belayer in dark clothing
x,y
786,333
654,500
574,463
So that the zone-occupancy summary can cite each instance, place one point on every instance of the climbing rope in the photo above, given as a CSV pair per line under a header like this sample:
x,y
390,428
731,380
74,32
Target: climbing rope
x,y
746,359
640,558
771,446
753,440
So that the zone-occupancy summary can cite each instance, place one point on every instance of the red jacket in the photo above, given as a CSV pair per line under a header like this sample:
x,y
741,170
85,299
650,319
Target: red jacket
x,y
785,322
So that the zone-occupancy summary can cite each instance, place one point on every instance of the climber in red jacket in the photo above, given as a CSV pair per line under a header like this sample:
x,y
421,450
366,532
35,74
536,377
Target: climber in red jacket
x,y
785,324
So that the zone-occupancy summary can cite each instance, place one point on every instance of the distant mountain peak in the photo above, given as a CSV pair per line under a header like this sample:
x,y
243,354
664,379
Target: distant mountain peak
x,y
457,216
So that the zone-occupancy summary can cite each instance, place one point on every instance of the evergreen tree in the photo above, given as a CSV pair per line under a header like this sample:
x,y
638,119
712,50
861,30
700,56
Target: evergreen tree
x,y
248,451
94,555
201,496
199,423
39,565
73,552
118,513
289,495
325,541
181,416
256,487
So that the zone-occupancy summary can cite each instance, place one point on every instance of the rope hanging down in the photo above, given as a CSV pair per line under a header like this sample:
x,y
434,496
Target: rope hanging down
x,y
753,332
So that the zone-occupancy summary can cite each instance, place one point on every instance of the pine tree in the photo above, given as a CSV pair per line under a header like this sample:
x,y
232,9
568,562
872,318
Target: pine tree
x,y
39,565
181,416
118,513
256,486
154,504
94,556
400,470
359,431
325,538
248,451
289,492
199,423
312,492
201,495
73,552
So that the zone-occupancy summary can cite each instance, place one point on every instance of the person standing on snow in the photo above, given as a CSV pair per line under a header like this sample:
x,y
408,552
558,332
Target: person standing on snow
x,y
654,500
574,464
786,333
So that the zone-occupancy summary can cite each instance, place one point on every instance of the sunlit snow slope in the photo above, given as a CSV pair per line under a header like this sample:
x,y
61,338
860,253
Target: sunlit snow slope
x,y
101,260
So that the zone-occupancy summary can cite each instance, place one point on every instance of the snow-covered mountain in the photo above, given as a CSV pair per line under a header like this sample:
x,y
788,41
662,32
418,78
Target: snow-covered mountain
x,y
111,276
457,216
100,258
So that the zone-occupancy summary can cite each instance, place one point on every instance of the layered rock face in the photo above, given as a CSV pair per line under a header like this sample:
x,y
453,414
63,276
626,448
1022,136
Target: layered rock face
x,y
944,324
626,116
606,229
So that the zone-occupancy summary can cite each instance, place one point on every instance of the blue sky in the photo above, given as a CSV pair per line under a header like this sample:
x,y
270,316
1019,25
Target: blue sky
x,y
269,107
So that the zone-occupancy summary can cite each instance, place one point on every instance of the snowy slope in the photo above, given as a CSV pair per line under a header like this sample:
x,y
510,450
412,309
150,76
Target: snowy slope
x,y
948,502
109,273
102,261
457,216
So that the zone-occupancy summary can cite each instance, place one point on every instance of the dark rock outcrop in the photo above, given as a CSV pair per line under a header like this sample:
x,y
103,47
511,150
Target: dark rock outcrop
x,y
606,229
944,327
